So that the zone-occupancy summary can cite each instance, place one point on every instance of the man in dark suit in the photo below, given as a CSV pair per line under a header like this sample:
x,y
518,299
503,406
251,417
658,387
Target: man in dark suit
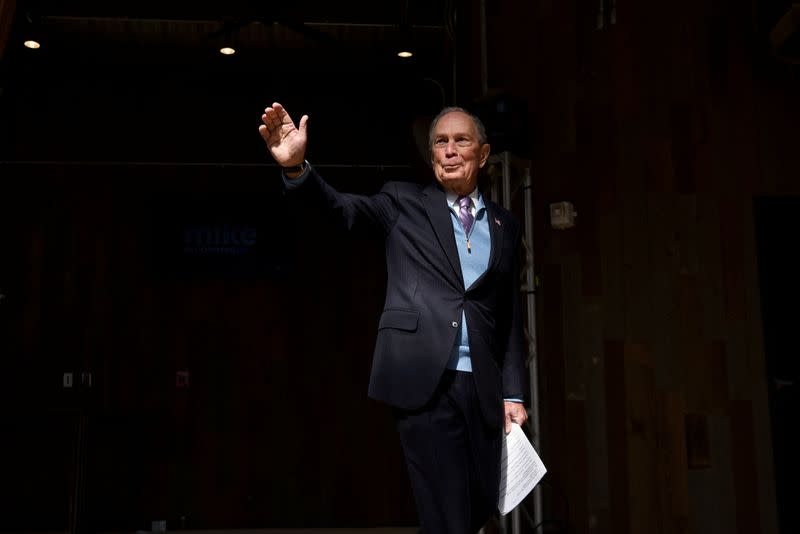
x,y
449,355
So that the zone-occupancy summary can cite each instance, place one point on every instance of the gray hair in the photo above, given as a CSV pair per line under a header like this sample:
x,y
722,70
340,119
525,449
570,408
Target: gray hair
x,y
482,139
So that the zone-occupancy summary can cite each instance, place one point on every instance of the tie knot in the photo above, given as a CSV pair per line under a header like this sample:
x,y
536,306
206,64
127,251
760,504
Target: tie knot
x,y
465,202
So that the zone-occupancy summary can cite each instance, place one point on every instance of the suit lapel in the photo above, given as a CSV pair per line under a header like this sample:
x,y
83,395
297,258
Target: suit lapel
x,y
435,204
497,233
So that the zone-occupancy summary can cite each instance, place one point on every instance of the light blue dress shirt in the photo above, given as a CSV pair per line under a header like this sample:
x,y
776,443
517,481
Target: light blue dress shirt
x,y
474,262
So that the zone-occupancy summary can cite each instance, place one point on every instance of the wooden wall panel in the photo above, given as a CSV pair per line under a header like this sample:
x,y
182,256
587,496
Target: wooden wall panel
x,y
764,463
732,217
663,258
712,507
641,438
576,365
672,463
636,278
687,327
742,104
745,476
706,380
709,255
688,240
590,256
617,430
7,8
683,149
34,252
659,170
664,261
552,384
611,241
596,413
670,142
752,343
577,473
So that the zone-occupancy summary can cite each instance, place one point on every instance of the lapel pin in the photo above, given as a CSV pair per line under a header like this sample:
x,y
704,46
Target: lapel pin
x,y
497,221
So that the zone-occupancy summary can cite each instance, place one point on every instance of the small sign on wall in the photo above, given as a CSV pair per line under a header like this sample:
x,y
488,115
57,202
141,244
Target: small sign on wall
x,y
220,235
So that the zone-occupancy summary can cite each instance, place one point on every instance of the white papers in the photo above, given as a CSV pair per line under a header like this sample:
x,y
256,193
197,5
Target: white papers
x,y
520,469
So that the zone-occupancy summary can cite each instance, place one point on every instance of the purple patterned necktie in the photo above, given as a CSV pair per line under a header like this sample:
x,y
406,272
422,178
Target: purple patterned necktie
x,y
465,214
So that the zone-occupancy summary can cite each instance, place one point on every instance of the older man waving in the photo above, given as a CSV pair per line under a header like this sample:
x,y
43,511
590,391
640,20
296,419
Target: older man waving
x,y
448,355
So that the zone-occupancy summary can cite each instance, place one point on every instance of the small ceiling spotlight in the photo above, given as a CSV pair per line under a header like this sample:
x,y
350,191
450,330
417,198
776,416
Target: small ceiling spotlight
x,y
405,36
227,32
33,32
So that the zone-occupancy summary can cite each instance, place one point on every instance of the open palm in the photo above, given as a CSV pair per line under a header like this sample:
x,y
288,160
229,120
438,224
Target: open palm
x,y
286,143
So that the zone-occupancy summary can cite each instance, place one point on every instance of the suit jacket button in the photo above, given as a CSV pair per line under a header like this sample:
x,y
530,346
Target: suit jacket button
x,y
454,324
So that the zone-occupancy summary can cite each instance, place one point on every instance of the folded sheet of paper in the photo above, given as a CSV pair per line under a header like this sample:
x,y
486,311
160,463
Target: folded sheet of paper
x,y
520,469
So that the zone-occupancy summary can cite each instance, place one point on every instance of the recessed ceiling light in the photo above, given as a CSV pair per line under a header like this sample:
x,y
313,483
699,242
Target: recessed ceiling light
x,y
33,45
227,51
405,53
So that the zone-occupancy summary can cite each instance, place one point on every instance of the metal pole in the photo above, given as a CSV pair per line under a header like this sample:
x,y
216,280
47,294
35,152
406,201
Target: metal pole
x,y
507,191
533,364
502,192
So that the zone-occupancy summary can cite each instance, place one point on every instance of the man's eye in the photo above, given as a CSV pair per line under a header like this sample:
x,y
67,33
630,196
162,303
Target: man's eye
x,y
440,142
463,141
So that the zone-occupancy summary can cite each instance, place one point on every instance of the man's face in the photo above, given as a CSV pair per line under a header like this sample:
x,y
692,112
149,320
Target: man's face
x,y
457,154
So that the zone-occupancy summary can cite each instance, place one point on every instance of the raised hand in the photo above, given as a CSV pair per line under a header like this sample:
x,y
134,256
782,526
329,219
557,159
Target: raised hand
x,y
286,143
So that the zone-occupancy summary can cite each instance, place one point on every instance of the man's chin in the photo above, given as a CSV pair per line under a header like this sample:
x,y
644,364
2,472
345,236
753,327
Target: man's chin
x,y
456,184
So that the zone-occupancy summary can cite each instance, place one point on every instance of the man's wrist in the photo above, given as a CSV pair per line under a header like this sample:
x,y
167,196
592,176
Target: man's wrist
x,y
295,179
293,171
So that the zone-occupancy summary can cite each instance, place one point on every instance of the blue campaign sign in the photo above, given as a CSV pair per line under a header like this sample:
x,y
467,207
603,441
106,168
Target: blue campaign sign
x,y
219,235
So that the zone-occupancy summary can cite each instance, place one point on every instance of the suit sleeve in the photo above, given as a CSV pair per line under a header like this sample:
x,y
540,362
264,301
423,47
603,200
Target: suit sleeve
x,y
514,375
351,210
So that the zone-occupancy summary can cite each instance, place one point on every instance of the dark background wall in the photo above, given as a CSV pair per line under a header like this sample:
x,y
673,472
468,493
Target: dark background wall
x,y
661,128
109,158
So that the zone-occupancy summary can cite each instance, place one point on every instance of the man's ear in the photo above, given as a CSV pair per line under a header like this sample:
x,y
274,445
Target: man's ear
x,y
485,148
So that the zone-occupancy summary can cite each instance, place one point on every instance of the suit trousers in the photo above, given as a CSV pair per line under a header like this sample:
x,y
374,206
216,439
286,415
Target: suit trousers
x,y
453,458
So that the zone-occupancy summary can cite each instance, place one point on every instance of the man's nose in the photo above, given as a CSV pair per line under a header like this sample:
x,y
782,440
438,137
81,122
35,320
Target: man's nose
x,y
450,149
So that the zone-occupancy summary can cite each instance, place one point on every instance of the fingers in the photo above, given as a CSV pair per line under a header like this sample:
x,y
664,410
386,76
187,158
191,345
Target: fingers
x,y
515,413
281,115
272,119
519,415
509,417
264,132
273,116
